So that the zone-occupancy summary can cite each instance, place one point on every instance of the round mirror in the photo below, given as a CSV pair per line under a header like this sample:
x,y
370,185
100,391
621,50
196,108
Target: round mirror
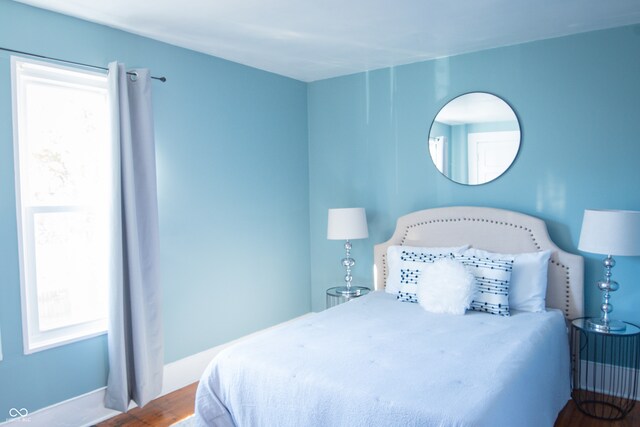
x,y
474,138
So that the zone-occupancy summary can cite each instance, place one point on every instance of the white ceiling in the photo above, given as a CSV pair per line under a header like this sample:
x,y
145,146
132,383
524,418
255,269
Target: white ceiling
x,y
311,40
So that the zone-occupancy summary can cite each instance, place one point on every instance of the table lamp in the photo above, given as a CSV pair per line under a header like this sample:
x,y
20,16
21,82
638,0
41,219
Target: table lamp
x,y
609,232
347,224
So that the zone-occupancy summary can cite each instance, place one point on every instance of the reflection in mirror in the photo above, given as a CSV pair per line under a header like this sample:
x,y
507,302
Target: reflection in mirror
x,y
474,138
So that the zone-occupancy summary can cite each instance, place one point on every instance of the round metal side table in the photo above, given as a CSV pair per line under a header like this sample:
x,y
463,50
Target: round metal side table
x,y
604,369
334,297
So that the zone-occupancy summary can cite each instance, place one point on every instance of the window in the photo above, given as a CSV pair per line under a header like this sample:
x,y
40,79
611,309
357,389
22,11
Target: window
x,y
63,171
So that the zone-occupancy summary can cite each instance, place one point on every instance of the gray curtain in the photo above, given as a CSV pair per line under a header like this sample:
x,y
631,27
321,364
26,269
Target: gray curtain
x,y
135,338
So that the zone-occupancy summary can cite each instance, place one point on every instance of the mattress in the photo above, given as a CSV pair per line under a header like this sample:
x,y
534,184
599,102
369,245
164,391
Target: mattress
x,y
375,361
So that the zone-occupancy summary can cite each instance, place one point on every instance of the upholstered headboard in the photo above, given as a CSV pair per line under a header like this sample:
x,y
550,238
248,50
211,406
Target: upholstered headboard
x,y
495,230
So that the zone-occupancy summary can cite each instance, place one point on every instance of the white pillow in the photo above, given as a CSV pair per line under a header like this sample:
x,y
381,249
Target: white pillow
x,y
446,286
528,288
406,263
492,282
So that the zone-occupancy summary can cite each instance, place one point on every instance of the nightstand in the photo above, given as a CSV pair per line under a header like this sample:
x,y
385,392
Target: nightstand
x,y
335,298
604,370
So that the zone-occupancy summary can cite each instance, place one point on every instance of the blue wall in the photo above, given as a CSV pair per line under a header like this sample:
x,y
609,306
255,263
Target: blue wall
x,y
578,100
233,201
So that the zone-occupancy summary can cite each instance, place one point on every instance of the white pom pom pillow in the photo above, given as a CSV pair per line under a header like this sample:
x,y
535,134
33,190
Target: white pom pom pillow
x,y
446,286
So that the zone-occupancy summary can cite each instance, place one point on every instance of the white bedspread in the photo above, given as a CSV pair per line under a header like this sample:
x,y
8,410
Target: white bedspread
x,y
378,362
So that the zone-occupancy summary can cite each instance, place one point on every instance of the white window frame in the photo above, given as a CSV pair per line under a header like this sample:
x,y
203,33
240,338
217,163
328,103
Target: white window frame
x,y
34,339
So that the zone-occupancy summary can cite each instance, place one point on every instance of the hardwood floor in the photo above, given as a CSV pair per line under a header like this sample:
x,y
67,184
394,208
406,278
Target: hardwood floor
x,y
162,412
169,409
572,417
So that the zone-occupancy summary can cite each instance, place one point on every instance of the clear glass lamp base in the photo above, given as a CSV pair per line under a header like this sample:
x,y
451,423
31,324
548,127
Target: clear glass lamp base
x,y
605,326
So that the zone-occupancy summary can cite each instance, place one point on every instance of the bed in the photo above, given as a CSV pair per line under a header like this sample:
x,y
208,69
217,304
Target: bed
x,y
375,361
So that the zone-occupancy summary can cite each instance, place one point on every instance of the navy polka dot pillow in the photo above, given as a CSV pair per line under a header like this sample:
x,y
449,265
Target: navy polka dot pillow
x,y
406,264
492,282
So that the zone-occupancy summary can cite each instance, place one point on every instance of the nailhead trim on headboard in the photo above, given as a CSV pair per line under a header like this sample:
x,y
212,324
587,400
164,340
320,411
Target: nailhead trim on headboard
x,y
385,274
567,295
491,221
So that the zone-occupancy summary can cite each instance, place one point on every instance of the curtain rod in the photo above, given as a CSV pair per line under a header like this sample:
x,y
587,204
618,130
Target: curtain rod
x,y
162,79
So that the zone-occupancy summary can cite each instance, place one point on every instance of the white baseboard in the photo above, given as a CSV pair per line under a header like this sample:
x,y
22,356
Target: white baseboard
x,y
88,409
602,370
84,410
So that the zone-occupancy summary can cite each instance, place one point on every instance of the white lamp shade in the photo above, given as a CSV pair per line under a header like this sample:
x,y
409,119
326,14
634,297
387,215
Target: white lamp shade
x,y
610,232
347,224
